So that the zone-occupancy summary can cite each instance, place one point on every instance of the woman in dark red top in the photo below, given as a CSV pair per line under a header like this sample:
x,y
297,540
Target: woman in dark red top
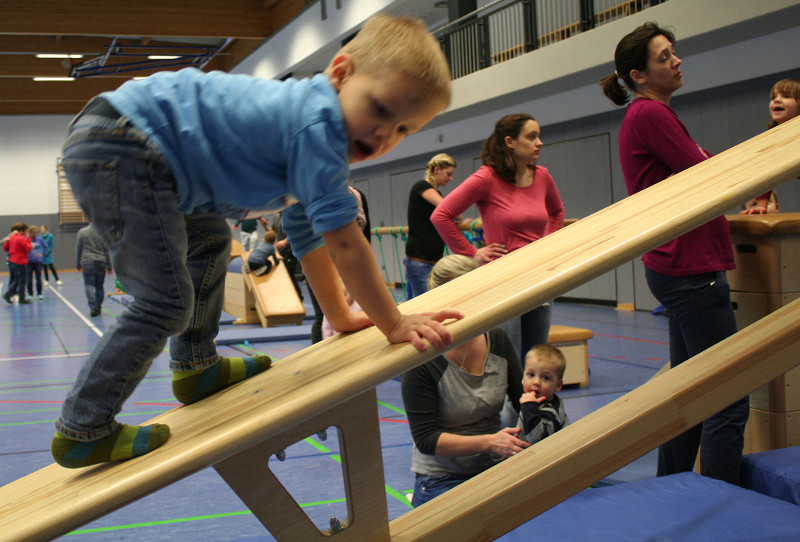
x,y
687,274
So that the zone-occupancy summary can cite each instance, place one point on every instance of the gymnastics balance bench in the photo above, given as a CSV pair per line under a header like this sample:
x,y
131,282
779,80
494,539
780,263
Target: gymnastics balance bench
x,y
270,299
572,342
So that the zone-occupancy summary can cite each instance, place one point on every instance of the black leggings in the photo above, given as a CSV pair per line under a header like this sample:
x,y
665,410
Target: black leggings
x,y
52,268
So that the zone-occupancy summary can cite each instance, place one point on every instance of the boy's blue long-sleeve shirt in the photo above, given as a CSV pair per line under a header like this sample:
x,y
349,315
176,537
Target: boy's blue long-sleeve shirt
x,y
240,146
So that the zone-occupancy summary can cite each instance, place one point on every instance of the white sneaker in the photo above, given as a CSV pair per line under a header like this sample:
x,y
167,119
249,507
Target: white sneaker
x,y
59,282
46,283
41,296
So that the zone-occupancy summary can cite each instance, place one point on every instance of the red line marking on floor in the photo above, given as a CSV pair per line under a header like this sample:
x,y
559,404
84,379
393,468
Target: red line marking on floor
x,y
393,421
654,359
157,404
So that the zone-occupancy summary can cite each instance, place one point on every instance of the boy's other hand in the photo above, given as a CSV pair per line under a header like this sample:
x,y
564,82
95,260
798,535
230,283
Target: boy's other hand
x,y
354,321
428,325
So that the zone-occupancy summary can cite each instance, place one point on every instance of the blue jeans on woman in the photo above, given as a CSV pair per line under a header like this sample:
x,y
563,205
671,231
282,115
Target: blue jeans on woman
x,y
417,277
428,487
173,265
701,315
530,329
18,276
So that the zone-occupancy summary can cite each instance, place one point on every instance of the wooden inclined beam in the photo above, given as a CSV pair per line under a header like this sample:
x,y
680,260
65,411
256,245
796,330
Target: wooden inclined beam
x,y
53,501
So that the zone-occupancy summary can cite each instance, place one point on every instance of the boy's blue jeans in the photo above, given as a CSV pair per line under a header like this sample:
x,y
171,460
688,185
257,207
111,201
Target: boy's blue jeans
x,y
94,275
173,265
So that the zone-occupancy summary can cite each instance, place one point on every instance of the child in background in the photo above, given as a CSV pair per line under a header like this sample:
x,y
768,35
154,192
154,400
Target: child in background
x,y
248,233
38,248
263,257
18,245
47,259
773,205
216,146
541,410
784,104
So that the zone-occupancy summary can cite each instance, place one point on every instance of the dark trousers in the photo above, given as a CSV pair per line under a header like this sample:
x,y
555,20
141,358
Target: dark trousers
x,y
94,275
52,268
316,325
35,271
701,315
17,279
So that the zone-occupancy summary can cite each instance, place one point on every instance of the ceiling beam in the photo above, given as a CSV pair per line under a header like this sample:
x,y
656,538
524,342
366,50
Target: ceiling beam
x,y
235,52
200,18
86,45
41,108
24,89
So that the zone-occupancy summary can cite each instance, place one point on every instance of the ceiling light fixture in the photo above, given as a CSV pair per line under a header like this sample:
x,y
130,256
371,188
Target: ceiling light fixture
x,y
53,78
58,55
163,57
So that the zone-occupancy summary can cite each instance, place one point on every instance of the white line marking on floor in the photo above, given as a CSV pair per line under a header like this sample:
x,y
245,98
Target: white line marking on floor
x,y
76,311
49,356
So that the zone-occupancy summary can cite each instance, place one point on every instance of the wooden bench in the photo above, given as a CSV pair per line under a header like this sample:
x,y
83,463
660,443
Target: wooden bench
x,y
572,342
270,298
239,300
276,299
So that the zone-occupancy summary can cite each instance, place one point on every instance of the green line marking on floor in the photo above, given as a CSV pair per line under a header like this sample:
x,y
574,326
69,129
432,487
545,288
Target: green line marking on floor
x,y
185,520
392,407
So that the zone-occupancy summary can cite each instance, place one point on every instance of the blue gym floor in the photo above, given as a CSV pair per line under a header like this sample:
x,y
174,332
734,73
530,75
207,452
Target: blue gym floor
x,y
44,344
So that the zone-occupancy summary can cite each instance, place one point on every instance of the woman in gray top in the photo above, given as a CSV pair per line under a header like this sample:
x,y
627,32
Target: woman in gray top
x,y
454,401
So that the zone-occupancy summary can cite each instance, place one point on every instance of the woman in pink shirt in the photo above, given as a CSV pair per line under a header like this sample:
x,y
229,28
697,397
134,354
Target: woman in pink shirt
x,y
687,274
518,202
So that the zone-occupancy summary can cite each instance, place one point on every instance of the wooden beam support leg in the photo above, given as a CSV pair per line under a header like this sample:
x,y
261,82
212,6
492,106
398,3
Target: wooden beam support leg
x,y
249,476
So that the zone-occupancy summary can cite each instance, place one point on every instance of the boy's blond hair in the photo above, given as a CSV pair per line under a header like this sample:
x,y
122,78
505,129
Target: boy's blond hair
x,y
550,353
403,44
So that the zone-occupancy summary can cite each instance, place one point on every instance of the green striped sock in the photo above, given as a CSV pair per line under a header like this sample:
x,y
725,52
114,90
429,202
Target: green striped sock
x,y
126,442
191,386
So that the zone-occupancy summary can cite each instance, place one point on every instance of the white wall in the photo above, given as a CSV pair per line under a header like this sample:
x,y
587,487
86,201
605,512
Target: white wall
x,y
29,146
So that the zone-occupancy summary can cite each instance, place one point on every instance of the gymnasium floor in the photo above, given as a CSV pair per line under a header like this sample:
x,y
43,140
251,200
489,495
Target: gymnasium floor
x,y
44,344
